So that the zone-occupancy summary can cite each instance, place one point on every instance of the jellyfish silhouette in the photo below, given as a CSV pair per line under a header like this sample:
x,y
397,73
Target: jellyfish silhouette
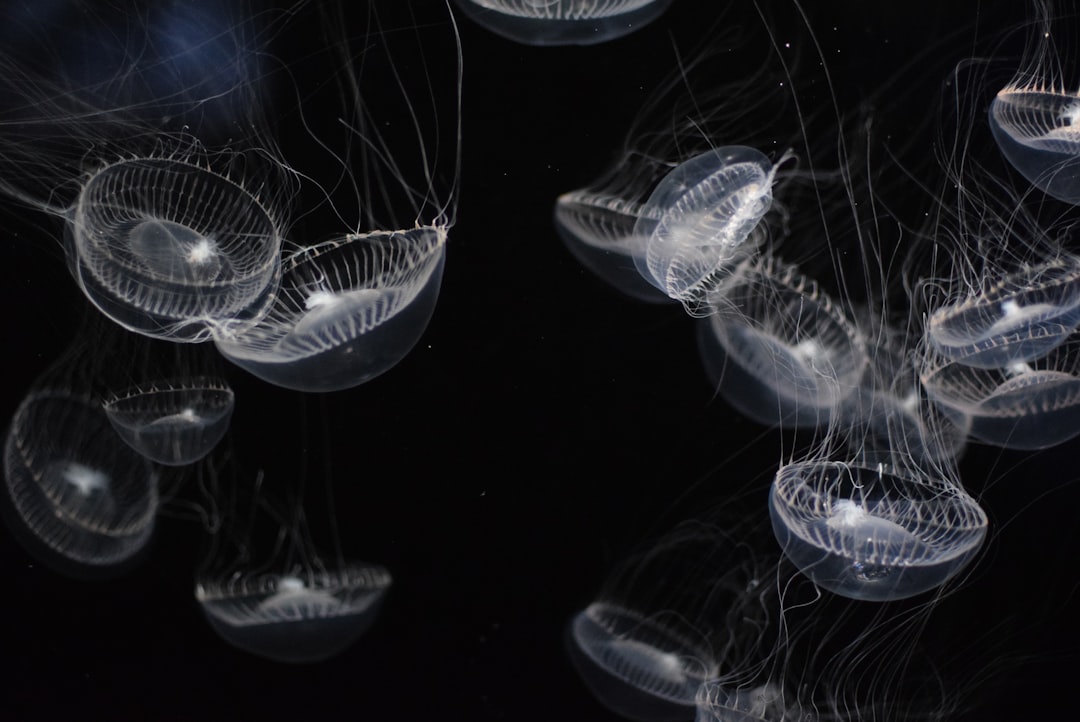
x,y
562,22
166,233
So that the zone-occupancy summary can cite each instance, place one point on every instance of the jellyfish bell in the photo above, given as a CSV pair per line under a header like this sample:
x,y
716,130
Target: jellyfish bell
x,y
171,212
1023,316
174,423
295,617
874,533
1034,118
779,349
348,310
562,22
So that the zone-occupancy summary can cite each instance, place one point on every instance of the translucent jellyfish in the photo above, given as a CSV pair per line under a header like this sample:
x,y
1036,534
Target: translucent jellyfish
x,y
348,310
640,668
173,423
706,209
81,499
779,349
295,617
563,22
1020,317
875,533
1023,405
171,214
169,249
717,702
598,228
693,607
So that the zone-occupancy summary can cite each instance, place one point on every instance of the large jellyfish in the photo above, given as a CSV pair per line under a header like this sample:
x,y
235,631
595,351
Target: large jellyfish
x,y
874,532
563,22
352,307
167,231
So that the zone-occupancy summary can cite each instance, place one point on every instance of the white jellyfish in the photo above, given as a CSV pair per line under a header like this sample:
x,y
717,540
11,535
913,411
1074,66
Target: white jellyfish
x,y
874,532
1034,118
82,500
779,349
169,227
173,422
351,307
562,22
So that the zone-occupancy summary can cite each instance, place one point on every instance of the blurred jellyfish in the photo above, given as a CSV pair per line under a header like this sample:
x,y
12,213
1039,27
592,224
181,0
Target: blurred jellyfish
x,y
563,22
296,605
779,349
1034,118
350,308
165,235
75,495
688,610
295,616
877,533
173,423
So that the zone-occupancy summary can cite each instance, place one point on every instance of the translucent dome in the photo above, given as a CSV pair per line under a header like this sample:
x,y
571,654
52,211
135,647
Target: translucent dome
x,y
779,350
699,219
563,22
877,534
170,250
641,668
82,499
297,617
174,423
1037,130
347,311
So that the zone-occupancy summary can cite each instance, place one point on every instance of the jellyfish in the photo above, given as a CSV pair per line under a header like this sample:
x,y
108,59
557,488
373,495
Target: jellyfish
x,y
295,616
171,221
779,349
173,422
350,308
562,22
693,607
875,533
1034,117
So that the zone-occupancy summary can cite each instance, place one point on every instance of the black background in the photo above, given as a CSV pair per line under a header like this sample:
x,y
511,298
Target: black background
x,y
543,428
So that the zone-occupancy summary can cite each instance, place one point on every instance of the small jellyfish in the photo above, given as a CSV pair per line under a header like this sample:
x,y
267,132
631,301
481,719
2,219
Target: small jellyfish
x,y
299,616
563,22
1021,317
347,311
173,423
706,211
718,702
874,533
80,498
779,349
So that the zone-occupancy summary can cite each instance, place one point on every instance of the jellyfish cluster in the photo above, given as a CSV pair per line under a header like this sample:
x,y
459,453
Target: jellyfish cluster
x,y
877,386
877,318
